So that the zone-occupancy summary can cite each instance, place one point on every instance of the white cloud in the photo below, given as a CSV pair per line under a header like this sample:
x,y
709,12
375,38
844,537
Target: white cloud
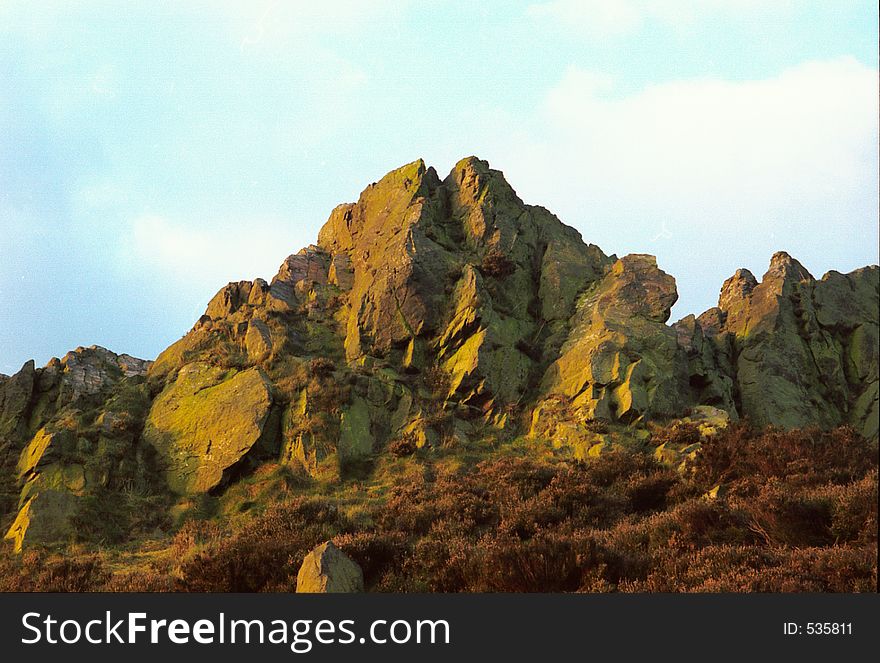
x,y
275,21
688,169
598,17
807,132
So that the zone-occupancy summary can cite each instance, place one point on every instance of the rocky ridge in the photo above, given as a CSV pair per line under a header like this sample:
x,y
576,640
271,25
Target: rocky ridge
x,y
430,312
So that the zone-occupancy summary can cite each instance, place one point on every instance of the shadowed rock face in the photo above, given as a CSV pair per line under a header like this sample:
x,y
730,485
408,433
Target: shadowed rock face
x,y
432,311
799,351
621,361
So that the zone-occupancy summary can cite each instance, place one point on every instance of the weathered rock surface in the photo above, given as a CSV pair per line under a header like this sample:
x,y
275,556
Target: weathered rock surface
x,y
797,350
328,570
205,422
67,432
431,312
621,362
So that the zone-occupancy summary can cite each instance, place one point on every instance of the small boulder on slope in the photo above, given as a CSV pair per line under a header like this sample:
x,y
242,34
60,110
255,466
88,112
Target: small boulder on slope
x,y
328,570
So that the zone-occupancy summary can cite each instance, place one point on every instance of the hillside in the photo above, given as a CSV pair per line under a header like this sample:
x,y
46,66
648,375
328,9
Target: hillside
x,y
441,332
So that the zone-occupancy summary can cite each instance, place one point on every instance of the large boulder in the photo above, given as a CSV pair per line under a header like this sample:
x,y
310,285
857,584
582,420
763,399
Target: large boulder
x,y
328,570
204,423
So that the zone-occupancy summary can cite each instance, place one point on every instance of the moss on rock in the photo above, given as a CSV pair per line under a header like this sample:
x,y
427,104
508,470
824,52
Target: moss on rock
x,y
205,422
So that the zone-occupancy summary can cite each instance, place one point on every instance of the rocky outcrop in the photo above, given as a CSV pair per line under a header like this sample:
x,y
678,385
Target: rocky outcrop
x,y
15,397
797,351
328,570
431,312
205,422
621,362
452,295
69,433
461,271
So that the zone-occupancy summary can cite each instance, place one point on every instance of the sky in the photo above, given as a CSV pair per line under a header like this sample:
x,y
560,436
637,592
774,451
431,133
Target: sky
x,y
150,152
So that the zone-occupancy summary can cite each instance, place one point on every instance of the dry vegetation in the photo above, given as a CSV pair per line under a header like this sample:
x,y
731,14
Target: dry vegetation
x,y
756,511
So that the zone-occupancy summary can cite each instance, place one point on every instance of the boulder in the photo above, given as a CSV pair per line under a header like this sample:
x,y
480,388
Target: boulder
x,y
258,340
328,570
205,422
296,277
229,299
355,436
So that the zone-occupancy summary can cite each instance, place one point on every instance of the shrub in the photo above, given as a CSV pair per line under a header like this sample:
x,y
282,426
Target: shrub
x,y
405,445
798,513
321,367
35,571
264,554
679,433
496,264
599,426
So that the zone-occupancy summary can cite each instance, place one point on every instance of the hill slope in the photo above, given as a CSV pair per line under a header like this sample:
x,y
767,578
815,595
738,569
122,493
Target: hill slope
x,y
430,315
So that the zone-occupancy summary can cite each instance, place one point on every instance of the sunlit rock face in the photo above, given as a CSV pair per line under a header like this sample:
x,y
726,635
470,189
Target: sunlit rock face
x,y
68,433
431,312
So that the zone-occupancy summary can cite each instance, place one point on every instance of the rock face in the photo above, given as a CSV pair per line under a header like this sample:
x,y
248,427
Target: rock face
x,y
204,423
621,361
67,434
797,350
328,570
430,312
432,299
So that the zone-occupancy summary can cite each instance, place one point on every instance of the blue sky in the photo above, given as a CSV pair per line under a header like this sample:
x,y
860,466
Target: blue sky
x,y
152,151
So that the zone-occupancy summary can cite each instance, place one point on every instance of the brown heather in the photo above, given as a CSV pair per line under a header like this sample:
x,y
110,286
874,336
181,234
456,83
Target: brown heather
x,y
798,513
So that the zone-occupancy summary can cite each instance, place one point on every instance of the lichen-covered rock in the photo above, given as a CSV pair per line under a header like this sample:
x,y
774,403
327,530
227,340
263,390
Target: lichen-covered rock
x,y
555,420
86,371
709,363
295,278
15,396
432,313
355,437
45,517
328,570
460,273
41,462
801,351
395,290
50,488
621,361
205,422
478,347
258,340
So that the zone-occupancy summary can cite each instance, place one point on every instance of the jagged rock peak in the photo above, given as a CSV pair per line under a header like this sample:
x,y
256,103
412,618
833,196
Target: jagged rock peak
x,y
472,178
783,266
783,272
737,287
381,202
397,201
